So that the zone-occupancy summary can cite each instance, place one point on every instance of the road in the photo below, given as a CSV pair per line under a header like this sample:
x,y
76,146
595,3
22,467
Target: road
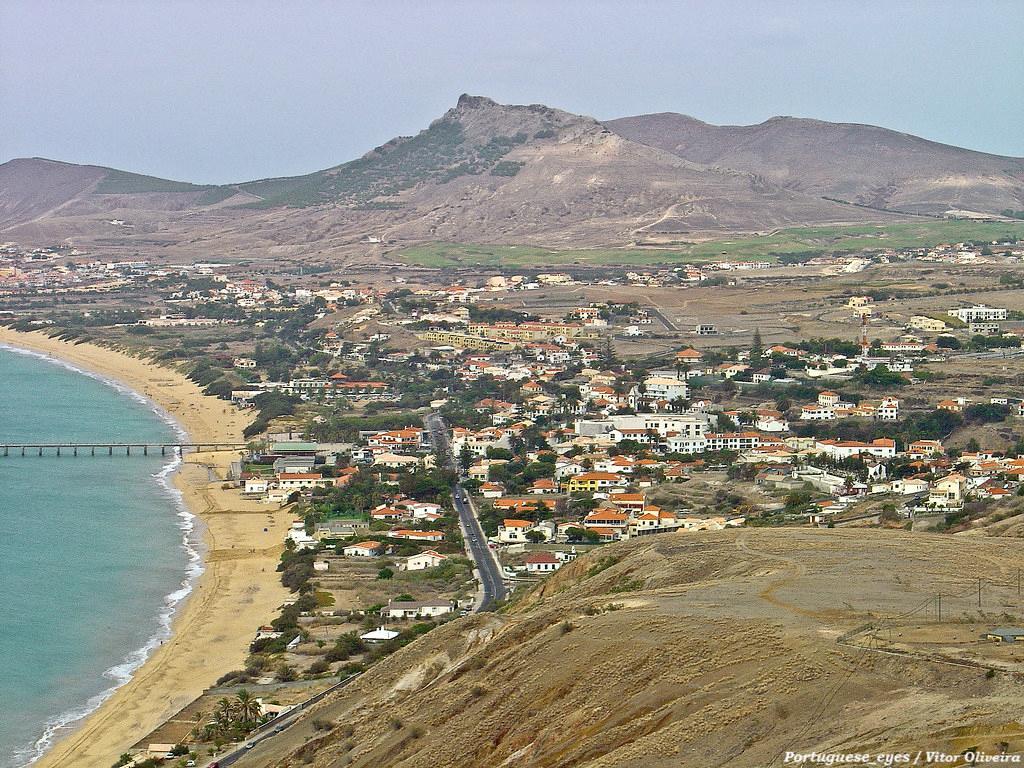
x,y
486,565
652,310
273,728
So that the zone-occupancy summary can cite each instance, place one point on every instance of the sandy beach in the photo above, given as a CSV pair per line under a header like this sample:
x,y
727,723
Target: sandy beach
x,y
238,590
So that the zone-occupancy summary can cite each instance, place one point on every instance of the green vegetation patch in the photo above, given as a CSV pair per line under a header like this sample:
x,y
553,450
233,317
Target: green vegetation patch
x,y
124,183
784,245
441,153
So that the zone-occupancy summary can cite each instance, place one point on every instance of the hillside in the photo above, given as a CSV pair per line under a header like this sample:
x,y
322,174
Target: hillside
x,y
488,173
718,649
858,163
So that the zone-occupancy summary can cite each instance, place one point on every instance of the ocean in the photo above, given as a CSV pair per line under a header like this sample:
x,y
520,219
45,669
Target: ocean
x,y
96,551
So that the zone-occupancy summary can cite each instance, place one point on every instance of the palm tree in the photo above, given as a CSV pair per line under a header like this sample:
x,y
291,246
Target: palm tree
x,y
223,717
248,708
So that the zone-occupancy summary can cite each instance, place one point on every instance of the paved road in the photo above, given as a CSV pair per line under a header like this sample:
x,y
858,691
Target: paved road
x,y
486,566
274,727
664,319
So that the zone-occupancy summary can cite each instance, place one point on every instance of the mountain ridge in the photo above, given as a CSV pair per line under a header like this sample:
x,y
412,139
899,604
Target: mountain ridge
x,y
526,174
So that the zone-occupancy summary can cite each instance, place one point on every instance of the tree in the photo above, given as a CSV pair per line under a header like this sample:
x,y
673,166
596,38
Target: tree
x,y
756,350
248,708
385,573
466,458
535,537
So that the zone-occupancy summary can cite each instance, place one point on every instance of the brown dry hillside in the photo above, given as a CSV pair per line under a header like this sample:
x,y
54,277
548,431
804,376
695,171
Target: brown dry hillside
x,y
482,172
712,649
859,163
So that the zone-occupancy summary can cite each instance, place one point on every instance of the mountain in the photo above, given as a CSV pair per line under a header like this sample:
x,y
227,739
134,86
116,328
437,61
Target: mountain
x,y
490,173
689,649
863,164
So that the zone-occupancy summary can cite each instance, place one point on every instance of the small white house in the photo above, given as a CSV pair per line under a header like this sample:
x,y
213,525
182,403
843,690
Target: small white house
x,y
363,549
542,562
408,609
256,485
424,560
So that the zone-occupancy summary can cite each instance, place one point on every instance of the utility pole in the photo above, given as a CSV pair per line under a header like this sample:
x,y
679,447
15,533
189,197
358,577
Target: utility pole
x,y
939,604
1018,583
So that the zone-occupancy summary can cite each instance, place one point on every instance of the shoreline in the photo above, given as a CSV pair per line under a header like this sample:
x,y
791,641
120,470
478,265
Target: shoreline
x,y
232,565
121,673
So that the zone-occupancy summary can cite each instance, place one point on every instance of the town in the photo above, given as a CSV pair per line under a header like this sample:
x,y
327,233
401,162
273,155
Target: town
x,y
561,411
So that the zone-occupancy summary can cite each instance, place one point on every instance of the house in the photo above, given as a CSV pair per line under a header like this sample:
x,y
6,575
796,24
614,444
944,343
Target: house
x,y
363,549
424,560
410,438
949,492
403,533
925,323
881,448
978,313
924,449
298,536
665,388
386,513
542,562
301,481
543,485
492,490
888,409
390,460
424,510
909,486
606,518
817,412
628,502
593,481
267,633
379,635
256,486
410,609
828,398
513,531
689,356
1005,634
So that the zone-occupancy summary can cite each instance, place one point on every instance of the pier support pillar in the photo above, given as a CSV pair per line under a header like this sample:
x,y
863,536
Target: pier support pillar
x,y
110,450
58,451
145,450
92,450
40,450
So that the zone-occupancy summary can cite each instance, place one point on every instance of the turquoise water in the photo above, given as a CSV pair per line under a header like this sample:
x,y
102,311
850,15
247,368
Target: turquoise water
x,y
95,551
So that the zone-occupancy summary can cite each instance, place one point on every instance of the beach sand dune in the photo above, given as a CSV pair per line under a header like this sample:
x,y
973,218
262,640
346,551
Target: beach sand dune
x,y
238,591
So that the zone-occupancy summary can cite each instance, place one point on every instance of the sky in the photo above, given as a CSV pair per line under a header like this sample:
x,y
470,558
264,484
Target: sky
x,y
219,91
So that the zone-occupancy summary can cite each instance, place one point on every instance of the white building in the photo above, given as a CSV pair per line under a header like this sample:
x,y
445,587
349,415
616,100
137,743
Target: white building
x,y
424,560
978,313
417,610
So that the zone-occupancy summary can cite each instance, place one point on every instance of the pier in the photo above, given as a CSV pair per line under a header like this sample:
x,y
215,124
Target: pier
x,y
113,449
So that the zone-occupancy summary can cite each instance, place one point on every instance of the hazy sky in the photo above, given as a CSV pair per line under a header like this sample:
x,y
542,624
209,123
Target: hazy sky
x,y
227,91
